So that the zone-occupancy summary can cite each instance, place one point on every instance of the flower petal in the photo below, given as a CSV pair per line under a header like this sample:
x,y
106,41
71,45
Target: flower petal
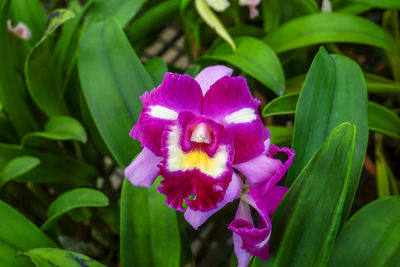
x,y
210,75
243,257
190,168
255,241
161,107
144,169
259,169
197,218
230,103
269,201
21,30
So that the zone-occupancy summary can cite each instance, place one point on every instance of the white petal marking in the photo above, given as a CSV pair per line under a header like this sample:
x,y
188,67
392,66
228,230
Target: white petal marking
x,y
161,112
180,161
243,115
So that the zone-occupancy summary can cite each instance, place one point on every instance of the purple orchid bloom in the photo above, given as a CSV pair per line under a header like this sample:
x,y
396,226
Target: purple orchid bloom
x,y
195,132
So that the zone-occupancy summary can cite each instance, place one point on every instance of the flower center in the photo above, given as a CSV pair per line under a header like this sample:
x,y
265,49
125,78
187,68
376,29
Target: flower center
x,y
201,134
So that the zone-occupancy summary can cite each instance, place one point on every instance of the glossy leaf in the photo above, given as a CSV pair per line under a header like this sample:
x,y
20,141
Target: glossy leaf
x,y
112,78
385,182
255,58
11,91
282,105
319,192
81,197
152,225
17,167
370,237
60,128
389,4
380,118
324,103
383,120
49,257
280,136
329,28
122,10
65,51
17,233
156,67
212,20
41,77
52,168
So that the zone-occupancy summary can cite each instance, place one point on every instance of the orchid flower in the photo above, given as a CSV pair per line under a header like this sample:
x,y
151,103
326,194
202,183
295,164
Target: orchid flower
x,y
21,30
221,5
198,134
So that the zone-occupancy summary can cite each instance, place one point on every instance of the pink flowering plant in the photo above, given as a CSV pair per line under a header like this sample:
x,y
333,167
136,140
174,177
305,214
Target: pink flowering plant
x,y
210,151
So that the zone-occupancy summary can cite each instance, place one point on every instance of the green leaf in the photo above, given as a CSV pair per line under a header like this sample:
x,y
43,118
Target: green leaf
x,y
49,257
112,78
319,192
329,28
282,105
212,20
370,237
147,220
12,94
17,233
52,168
380,118
325,101
65,51
60,128
157,68
77,198
17,167
255,58
281,136
389,4
383,120
122,10
41,77
151,20
385,181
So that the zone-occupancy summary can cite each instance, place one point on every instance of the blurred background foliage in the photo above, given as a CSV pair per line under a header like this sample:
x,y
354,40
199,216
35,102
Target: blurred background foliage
x,y
70,94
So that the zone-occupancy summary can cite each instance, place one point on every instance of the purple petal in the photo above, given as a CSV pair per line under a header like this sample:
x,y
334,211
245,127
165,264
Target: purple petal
x,y
144,169
269,201
230,103
255,241
210,75
278,175
197,218
161,107
243,257
259,169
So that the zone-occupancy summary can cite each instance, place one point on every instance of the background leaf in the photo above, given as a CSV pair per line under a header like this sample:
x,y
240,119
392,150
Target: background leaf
x,y
255,58
49,257
212,20
329,28
52,168
76,198
282,105
383,120
370,238
112,78
121,10
60,128
14,227
319,192
156,67
41,77
17,167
